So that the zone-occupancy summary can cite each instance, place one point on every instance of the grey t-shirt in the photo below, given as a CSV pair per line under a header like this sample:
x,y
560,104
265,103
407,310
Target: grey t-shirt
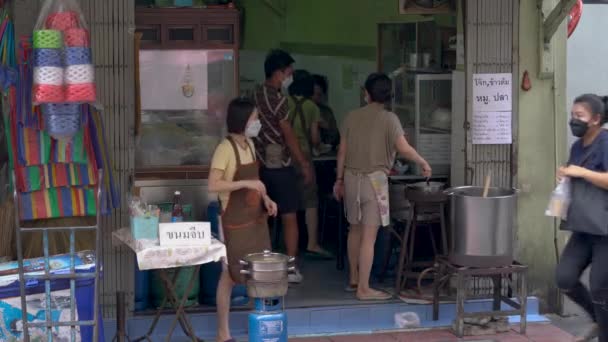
x,y
370,133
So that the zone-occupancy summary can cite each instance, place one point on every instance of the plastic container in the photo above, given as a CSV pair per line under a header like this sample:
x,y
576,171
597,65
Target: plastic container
x,y
144,227
85,292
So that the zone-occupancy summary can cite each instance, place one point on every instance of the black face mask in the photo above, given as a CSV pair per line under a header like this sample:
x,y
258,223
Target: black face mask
x,y
578,127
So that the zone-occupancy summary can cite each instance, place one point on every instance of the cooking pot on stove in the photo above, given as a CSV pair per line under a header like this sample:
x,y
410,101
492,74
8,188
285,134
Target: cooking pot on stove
x,y
266,274
426,192
427,187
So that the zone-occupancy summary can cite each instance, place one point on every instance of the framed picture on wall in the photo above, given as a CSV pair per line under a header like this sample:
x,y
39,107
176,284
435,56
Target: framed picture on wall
x,y
426,6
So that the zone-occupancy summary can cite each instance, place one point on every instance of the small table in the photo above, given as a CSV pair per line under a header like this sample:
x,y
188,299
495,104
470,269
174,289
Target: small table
x,y
445,270
151,256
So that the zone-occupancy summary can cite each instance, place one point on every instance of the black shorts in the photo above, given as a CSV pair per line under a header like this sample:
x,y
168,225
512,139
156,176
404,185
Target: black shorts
x,y
282,187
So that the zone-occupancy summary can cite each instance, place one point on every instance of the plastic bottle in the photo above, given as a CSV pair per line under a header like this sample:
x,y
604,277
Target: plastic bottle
x,y
560,200
177,214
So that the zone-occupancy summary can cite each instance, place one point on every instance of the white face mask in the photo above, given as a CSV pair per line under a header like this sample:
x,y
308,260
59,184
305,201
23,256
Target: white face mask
x,y
287,82
253,129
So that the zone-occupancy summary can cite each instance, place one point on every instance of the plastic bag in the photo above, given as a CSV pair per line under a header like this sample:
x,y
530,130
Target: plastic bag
x,y
63,67
407,320
60,15
560,200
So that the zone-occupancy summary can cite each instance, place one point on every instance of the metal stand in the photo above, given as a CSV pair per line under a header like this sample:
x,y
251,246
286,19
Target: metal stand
x,y
445,270
178,303
121,320
47,277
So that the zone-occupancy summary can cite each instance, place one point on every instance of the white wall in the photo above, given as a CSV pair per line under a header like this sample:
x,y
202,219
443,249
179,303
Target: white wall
x,y
587,52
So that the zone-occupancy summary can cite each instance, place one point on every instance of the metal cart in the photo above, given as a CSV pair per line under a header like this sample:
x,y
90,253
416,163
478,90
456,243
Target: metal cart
x,y
47,277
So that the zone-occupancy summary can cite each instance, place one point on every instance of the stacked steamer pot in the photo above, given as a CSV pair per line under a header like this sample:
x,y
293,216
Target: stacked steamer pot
x,y
267,283
266,274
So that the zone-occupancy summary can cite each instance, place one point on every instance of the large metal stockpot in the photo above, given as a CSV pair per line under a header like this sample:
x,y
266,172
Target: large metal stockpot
x,y
266,274
482,227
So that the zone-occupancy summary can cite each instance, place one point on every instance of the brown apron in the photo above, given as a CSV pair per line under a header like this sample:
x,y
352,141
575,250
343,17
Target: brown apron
x,y
244,221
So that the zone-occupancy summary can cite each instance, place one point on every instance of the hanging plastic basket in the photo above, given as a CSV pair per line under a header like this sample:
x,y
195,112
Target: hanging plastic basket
x,y
77,37
46,93
47,58
79,74
81,93
62,20
48,39
62,120
77,56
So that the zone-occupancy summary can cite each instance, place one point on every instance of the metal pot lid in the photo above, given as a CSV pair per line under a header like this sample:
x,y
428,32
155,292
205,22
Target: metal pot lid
x,y
266,257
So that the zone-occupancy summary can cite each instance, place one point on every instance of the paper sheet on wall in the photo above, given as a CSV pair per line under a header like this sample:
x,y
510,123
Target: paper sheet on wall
x,y
492,109
173,79
491,128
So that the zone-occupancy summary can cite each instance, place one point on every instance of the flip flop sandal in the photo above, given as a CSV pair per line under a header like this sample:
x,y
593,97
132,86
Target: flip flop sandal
x,y
378,297
319,255
351,288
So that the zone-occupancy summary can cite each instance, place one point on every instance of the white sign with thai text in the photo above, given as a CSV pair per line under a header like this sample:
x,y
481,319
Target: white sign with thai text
x,y
492,109
184,234
492,93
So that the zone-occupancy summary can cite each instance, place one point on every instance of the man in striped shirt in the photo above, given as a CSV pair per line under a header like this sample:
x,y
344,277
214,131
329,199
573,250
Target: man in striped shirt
x,y
277,148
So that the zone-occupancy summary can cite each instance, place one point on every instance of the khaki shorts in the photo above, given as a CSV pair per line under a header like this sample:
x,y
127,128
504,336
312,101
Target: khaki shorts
x,y
360,201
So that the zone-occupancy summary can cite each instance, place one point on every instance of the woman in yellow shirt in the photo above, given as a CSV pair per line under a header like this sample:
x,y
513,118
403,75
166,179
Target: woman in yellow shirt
x,y
234,176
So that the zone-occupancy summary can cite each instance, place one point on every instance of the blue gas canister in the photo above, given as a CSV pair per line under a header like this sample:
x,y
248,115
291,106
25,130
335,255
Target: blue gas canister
x,y
268,321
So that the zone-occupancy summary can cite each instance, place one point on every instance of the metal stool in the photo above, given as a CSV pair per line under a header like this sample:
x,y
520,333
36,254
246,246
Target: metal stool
x,y
445,270
422,204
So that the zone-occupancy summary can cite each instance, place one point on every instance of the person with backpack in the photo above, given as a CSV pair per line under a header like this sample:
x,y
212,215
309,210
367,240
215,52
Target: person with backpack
x,y
305,117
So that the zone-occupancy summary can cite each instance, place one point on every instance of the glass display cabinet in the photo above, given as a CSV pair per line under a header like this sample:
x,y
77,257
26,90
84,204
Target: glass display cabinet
x,y
419,58
188,73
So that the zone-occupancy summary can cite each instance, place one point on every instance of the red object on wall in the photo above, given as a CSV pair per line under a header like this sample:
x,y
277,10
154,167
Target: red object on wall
x,y
526,84
575,16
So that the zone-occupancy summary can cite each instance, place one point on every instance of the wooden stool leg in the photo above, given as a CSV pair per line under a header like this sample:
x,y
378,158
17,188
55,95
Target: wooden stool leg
x,y
444,235
412,242
386,257
402,256
324,204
